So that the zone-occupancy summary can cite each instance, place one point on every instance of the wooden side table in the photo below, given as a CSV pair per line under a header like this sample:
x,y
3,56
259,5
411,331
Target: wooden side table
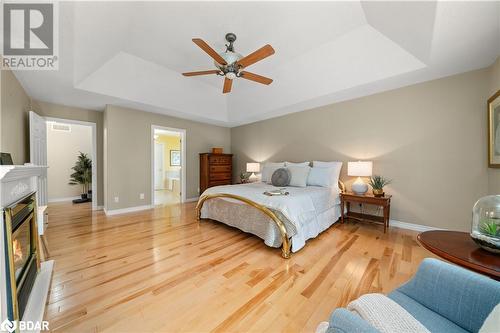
x,y
459,248
385,202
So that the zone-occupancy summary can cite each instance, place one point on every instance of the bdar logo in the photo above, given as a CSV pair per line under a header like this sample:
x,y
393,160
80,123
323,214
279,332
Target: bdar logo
x,y
8,326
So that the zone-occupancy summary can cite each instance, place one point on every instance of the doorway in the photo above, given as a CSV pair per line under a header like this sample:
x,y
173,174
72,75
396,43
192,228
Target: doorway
x,y
71,142
168,165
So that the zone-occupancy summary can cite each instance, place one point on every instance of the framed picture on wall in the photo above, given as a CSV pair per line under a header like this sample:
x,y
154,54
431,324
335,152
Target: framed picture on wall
x,y
494,131
175,158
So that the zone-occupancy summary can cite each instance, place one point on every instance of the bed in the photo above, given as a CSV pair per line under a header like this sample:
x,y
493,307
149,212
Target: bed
x,y
281,221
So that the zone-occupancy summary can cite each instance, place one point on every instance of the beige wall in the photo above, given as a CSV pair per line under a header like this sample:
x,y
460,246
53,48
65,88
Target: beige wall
x,y
494,174
14,118
128,153
428,138
79,114
63,149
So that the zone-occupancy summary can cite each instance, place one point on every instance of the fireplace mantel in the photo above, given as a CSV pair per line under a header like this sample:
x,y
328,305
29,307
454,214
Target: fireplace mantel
x,y
16,182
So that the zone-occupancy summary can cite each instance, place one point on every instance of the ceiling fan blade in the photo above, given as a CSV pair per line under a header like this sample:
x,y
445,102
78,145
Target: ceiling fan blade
x,y
210,51
214,71
227,85
258,55
256,77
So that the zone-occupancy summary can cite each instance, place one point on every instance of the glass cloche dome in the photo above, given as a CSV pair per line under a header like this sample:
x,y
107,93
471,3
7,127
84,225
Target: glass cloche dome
x,y
486,223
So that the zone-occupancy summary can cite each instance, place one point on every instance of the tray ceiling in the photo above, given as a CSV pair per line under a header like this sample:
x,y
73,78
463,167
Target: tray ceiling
x,y
132,53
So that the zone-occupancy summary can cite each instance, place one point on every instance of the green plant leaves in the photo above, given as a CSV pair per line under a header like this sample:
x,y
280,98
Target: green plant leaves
x,y
378,182
82,174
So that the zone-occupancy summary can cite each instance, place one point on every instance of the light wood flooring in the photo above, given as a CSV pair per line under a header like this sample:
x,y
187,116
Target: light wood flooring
x,y
161,270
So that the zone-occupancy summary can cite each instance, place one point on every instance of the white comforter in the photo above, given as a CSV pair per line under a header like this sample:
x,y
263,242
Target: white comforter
x,y
303,207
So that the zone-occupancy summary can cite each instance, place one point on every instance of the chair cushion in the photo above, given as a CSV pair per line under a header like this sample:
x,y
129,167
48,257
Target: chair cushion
x,y
430,319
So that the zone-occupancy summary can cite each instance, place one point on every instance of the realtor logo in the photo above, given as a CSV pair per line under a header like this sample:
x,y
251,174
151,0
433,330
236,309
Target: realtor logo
x,y
8,326
29,35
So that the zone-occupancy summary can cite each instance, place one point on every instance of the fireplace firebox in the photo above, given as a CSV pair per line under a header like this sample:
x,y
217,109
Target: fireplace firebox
x,y
21,248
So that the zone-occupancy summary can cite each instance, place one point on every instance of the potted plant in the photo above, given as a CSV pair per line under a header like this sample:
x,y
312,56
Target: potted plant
x,y
82,174
244,177
377,183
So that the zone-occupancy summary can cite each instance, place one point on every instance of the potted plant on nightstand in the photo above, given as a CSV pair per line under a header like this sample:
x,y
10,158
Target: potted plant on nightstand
x,y
82,175
377,183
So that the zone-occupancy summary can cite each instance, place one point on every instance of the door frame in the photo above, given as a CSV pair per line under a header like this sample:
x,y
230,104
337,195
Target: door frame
x,y
182,132
163,173
95,160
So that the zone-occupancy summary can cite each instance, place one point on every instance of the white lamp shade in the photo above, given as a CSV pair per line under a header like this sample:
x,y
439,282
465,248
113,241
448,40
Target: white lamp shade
x,y
253,167
360,168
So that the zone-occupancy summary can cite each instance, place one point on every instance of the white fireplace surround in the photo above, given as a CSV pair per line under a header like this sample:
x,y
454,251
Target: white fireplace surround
x,y
17,181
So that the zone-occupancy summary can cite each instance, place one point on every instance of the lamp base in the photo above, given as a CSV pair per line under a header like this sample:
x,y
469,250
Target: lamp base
x,y
253,178
359,186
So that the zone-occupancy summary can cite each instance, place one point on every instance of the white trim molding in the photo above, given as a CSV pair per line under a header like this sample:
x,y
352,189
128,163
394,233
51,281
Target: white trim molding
x,y
192,199
109,212
411,226
64,199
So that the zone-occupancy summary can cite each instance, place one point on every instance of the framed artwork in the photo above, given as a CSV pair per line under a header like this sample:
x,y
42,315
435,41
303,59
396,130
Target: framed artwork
x,y
175,158
494,131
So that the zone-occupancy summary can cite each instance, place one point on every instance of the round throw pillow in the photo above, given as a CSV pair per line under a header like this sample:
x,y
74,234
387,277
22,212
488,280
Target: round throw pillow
x,y
281,177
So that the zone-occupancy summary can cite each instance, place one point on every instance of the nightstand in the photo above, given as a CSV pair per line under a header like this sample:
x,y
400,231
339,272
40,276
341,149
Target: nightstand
x,y
385,202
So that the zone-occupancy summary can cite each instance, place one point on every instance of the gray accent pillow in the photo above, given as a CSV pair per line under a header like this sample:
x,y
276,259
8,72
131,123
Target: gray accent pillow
x,y
281,177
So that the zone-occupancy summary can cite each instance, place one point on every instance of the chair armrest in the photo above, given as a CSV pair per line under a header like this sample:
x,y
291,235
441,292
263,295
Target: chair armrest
x,y
463,297
344,321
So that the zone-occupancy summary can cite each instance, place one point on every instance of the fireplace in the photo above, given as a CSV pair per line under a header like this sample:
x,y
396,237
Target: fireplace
x,y
23,262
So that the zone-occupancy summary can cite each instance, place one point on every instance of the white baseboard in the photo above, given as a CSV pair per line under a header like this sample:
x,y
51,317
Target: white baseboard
x,y
126,210
64,199
98,208
411,226
192,199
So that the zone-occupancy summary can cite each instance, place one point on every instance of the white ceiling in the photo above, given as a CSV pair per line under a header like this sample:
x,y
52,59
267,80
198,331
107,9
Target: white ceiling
x,y
132,53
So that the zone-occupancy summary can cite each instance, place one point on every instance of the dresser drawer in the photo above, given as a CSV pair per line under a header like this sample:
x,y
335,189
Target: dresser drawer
x,y
219,182
220,176
220,168
220,159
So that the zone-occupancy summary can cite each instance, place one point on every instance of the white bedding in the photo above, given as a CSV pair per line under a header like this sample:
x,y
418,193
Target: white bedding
x,y
310,209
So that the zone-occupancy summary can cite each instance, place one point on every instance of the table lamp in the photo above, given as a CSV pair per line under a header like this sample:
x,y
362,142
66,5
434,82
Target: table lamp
x,y
253,168
359,169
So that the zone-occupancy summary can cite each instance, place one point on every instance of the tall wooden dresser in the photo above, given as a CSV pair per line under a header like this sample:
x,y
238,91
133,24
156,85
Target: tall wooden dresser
x,y
215,169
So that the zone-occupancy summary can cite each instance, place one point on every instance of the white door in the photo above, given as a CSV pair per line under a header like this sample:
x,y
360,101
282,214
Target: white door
x,y
38,153
159,174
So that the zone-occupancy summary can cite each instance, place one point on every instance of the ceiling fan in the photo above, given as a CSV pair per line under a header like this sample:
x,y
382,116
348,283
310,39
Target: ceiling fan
x,y
230,64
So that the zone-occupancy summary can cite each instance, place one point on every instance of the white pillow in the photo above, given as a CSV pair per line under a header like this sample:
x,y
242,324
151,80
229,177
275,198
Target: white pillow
x,y
299,175
321,177
268,170
307,163
491,322
334,164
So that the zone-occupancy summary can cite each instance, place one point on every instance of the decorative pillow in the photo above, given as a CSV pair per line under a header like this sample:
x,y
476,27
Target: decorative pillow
x,y
281,177
299,175
307,163
321,177
268,169
337,167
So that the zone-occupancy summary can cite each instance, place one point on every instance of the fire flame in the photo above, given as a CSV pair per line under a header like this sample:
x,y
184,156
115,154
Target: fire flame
x,y
18,251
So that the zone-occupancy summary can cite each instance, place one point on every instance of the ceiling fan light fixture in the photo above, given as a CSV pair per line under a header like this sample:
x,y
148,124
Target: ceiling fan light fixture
x,y
231,75
231,64
229,57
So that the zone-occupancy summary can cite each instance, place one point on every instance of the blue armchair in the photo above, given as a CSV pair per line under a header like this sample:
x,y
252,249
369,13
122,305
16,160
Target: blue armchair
x,y
441,296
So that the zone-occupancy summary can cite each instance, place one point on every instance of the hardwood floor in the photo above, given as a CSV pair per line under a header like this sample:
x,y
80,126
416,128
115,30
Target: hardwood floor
x,y
160,270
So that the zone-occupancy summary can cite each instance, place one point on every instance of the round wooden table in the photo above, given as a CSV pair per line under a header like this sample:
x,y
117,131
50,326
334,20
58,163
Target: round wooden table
x,y
459,248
